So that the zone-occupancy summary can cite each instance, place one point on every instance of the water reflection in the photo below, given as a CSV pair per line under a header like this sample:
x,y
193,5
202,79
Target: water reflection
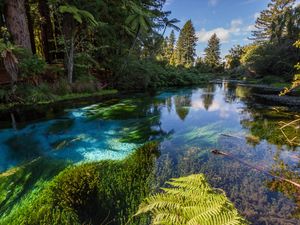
x,y
208,96
188,123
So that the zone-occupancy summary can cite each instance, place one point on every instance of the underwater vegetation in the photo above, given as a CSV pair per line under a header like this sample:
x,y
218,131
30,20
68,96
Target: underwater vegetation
x,y
93,193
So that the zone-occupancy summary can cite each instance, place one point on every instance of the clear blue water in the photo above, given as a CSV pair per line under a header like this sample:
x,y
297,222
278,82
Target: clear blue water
x,y
189,123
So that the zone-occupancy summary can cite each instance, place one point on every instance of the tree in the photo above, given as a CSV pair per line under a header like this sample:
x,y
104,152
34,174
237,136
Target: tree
x,y
171,46
16,21
139,21
233,59
212,52
272,22
73,18
186,45
170,23
168,47
46,30
296,81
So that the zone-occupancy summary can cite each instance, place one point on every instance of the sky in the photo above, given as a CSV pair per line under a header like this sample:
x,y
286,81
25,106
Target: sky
x,y
231,20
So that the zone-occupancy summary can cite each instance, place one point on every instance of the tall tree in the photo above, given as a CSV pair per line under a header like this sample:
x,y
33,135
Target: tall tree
x,y
171,46
212,52
168,47
74,21
16,21
46,30
271,23
186,45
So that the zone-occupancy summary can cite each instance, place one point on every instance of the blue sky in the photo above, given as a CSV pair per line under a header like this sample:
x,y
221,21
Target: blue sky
x,y
231,20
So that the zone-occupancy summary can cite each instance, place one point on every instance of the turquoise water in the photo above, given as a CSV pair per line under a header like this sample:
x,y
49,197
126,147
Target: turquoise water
x,y
188,123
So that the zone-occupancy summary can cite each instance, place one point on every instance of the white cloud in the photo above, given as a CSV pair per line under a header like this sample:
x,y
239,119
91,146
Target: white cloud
x,y
169,2
256,15
223,33
204,35
213,2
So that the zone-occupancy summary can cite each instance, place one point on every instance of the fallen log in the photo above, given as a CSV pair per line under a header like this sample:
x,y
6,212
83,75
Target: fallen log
x,y
260,169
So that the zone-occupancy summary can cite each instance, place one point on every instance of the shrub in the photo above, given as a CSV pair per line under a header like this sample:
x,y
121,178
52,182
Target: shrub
x,y
149,74
32,65
271,59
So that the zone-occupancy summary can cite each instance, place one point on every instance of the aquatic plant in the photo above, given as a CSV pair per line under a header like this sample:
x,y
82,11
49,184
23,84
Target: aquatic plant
x,y
17,183
190,200
94,193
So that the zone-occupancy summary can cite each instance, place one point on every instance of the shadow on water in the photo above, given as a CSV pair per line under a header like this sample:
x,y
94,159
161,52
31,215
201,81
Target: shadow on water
x,y
188,123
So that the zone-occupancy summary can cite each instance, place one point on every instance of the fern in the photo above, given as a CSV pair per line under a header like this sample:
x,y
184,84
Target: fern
x,y
191,201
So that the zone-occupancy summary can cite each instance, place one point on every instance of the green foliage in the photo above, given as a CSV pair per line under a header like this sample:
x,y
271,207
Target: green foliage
x,y
140,19
93,193
32,65
190,200
277,22
296,80
78,15
148,74
212,53
271,59
233,59
22,180
186,45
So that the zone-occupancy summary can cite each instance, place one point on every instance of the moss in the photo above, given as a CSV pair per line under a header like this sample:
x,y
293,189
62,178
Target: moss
x,y
94,193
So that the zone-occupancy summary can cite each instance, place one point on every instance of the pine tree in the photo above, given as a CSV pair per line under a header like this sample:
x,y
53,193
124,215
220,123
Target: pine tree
x,y
271,23
212,52
170,46
186,45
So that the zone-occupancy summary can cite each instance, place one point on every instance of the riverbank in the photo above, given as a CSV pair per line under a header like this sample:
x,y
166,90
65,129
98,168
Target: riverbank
x,y
57,99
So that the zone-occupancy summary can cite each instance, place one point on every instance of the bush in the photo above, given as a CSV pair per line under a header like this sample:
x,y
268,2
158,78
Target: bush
x,y
149,74
32,65
271,59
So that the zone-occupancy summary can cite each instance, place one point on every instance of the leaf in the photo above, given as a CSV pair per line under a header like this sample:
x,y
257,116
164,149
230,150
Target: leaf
x,y
191,201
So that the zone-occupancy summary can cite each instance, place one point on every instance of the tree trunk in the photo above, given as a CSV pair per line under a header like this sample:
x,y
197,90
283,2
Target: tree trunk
x,y
70,65
17,24
47,31
30,26
69,34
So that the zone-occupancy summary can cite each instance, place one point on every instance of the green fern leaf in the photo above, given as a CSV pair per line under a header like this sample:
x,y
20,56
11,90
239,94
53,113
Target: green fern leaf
x,y
191,201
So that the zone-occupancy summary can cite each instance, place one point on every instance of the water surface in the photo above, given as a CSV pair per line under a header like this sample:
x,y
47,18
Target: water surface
x,y
188,123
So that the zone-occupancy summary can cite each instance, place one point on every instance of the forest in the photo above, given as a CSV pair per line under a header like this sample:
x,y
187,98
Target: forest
x,y
109,115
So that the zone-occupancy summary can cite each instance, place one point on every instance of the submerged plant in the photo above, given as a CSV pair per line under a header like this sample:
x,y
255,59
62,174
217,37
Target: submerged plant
x,y
190,200
94,193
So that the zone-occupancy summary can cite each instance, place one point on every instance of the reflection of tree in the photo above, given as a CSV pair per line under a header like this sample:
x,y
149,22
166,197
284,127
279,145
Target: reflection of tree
x,y
280,168
182,105
264,124
229,92
208,96
169,104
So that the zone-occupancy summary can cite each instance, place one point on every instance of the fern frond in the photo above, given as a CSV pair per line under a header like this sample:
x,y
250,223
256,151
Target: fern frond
x,y
191,201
